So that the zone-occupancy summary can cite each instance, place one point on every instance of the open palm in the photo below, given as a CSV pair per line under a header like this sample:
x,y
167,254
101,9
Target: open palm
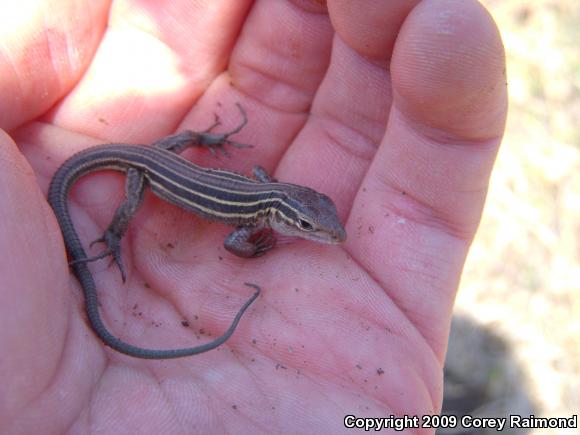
x,y
395,110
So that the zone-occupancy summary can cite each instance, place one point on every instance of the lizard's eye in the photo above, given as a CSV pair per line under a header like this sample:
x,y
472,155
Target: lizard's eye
x,y
305,225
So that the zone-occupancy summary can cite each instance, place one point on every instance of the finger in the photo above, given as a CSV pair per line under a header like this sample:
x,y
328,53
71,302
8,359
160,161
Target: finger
x,y
154,61
282,54
275,69
33,300
46,46
419,205
371,30
352,105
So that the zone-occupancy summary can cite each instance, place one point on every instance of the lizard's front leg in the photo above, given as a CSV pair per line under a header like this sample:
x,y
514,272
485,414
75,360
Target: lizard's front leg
x,y
250,241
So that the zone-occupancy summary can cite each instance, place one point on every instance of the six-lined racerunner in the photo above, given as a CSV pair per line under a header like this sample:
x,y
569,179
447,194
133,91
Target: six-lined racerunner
x,y
253,206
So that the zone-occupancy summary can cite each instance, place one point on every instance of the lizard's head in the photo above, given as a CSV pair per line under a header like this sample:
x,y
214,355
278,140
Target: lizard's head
x,y
308,214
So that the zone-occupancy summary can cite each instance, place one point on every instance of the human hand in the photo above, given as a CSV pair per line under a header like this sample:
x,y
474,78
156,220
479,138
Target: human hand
x,y
397,118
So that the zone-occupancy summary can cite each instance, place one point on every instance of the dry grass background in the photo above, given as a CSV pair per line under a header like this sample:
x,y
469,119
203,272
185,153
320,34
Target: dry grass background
x,y
516,338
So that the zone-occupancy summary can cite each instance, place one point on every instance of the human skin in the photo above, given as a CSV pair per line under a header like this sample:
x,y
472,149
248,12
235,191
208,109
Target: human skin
x,y
393,109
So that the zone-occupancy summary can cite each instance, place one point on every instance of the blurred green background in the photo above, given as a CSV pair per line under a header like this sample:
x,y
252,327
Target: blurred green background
x,y
515,345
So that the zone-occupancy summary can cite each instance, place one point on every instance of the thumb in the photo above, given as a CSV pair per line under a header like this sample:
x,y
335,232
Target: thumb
x,y
425,189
